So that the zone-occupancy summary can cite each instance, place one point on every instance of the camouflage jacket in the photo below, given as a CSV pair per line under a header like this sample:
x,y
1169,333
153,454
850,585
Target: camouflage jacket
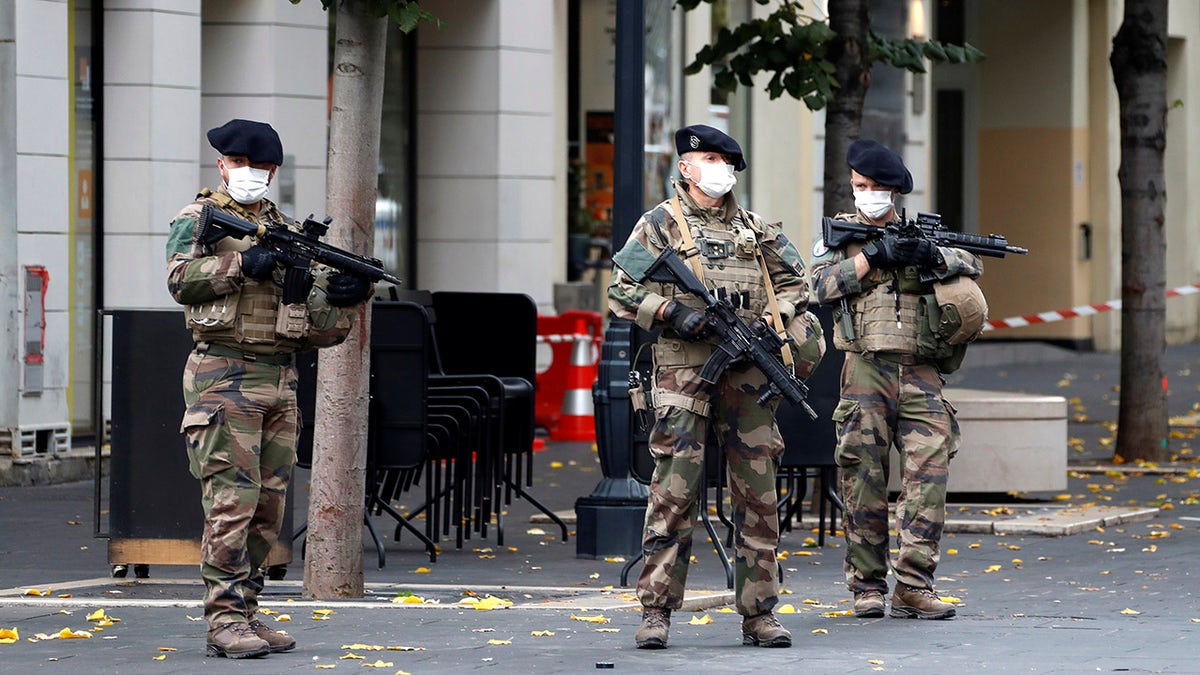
x,y
638,302
200,275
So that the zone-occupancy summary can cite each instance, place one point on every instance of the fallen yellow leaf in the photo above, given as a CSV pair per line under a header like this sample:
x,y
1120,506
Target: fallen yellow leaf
x,y
1131,612
36,592
951,551
160,657
167,649
492,602
615,559
9,635
556,465
400,648
618,630
950,598
351,656
875,662
700,620
326,666
68,634
535,531
542,633
599,618
421,570
844,612
323,612
284,617
820,631
787,609
378,664
361,647
499,642
725,610
991,568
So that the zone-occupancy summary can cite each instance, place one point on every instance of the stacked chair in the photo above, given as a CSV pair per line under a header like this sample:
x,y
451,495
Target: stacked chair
x,y
478,399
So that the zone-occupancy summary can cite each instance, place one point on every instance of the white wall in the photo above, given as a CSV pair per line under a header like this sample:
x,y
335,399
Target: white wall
x,y
42,135
488,204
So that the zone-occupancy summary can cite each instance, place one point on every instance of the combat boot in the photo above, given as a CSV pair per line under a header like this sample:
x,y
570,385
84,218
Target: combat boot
x,y
910,602
764,630
278,640
656,624
868,604
236,640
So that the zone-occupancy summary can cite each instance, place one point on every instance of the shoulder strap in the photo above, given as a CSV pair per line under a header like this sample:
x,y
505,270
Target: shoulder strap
x,y
689,244
784,352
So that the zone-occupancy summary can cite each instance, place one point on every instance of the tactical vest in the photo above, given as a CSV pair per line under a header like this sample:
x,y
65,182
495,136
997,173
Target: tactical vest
x,y
249,316
728,265
878,327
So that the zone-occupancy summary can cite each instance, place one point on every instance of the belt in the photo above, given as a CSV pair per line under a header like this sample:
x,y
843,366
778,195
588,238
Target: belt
x,y
900,358
217,349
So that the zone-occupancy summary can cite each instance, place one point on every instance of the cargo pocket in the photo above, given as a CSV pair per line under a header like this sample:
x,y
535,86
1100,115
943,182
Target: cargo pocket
x,y
208,441
844,416
954,439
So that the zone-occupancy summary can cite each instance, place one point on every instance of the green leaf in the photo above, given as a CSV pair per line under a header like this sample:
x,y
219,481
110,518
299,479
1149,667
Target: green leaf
x,y
933,50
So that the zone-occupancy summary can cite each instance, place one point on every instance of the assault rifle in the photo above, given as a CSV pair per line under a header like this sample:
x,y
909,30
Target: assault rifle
x,y
739,342
296,250
838,233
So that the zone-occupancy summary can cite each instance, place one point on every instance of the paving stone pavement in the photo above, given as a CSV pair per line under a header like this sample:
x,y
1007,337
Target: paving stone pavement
x,y
1114,590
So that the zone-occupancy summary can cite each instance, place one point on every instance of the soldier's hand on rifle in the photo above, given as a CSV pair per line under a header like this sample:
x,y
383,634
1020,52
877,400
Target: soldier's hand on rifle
x,y
885,252
925,254
258,262
344,289
691,324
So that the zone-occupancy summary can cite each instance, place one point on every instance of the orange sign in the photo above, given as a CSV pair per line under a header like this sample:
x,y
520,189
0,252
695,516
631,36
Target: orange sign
x,y
83,193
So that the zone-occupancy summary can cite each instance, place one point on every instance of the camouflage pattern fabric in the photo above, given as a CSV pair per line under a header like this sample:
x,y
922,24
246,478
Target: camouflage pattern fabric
x,y
891,399
750,440
242,424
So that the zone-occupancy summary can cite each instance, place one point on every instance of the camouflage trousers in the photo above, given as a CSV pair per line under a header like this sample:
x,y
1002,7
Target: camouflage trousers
x,y
889,399
242,424
750,440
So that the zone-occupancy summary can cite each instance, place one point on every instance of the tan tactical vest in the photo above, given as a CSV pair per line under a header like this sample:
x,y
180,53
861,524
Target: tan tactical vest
x,y
253,316
728,263
876,325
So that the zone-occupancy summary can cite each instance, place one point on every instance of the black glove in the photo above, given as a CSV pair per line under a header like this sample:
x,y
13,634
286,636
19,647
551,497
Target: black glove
x,y
689,323
344,289
885,252
925,255
258,262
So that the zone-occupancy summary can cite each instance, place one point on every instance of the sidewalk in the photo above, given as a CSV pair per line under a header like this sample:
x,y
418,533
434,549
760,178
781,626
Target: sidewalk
x,y
1105,596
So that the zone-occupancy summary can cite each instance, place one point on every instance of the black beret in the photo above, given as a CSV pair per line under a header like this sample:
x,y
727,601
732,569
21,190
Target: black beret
x,y
703,138
256,141
881,165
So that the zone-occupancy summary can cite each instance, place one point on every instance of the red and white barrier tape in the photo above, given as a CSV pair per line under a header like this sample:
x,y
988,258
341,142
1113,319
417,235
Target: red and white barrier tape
x,y
1083,310
576,337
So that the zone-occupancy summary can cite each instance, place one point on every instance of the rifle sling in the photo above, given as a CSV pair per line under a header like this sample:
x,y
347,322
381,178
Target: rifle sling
x,y
689,244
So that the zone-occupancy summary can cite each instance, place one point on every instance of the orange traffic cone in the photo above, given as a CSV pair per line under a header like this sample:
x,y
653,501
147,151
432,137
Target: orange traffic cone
x,y
578,421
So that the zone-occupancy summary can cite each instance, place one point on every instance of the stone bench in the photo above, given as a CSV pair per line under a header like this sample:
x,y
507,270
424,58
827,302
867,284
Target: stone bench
x,y
1010,442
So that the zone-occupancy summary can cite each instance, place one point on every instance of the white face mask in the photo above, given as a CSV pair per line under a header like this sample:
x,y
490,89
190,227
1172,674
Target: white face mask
x,y
248,185
873,203
716,180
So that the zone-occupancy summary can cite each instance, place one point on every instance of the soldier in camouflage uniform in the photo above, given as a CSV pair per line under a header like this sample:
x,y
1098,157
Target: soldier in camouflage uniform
x,y
891,391
686,408
239,384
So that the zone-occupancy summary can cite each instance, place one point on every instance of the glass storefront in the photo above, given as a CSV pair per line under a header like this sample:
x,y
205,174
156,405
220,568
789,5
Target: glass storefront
x,y
83,53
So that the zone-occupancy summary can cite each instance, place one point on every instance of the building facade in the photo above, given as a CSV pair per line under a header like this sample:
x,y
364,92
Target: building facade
x,y
496,153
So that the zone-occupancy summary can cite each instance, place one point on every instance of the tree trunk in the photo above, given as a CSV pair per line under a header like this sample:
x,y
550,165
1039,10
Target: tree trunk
x,y
851,20
333,564
1139,64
